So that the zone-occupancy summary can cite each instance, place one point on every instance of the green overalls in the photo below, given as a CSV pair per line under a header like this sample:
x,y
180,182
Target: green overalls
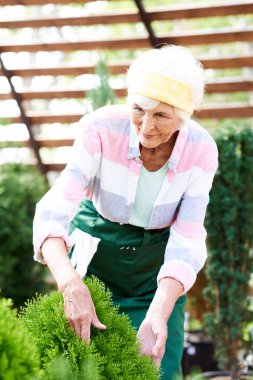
x,y
127,260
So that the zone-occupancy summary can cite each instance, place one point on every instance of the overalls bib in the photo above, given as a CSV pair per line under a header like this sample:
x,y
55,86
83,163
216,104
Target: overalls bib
x,y
127,260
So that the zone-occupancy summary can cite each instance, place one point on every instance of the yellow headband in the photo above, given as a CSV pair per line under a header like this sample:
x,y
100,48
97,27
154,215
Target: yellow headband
x,y
164,89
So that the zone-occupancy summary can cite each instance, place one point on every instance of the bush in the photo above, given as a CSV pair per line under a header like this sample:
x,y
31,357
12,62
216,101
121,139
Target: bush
x,y
229,225
20,189
60,369
115,351
18,356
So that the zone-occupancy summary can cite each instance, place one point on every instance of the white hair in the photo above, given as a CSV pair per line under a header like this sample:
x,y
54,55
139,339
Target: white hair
x,y
174,61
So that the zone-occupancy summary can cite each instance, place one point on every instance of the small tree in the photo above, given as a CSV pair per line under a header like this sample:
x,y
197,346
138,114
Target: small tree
x,y
102,94
20,189
112,354
229,225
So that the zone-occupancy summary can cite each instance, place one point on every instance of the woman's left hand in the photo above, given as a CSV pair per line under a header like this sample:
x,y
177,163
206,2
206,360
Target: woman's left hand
x,y
152,335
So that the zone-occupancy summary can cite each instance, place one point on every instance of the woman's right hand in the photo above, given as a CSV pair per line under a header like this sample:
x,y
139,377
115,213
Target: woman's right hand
x,y
79,308
78,305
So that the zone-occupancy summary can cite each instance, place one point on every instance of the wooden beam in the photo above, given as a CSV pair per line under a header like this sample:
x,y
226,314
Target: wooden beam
x,y
45,118
121,68
55,167
219,86
24,119
228,110
55,143
161,14
229,85
57,94
218,36
105,19
193,11
41,2
41,143
114,69
130,43
231,110
147,23
194,38
229,62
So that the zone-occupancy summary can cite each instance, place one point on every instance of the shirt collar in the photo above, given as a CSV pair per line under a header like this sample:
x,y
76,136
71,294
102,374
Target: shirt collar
x,y
134,143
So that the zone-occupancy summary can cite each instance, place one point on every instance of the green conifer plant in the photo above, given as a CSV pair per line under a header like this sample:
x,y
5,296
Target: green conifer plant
x,y
229,225
18,355
102,94
114,353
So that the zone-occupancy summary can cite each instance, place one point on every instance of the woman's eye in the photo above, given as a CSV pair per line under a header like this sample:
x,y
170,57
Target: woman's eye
x,y
138,109
160,116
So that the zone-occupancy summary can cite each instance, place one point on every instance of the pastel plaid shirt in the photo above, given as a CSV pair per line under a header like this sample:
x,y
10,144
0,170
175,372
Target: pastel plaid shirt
x,y
104,167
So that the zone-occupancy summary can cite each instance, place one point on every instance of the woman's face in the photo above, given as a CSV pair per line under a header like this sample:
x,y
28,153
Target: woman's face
x,y
154,127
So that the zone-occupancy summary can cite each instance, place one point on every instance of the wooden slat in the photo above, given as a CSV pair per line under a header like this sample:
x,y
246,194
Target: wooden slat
x,y
228,110
231,110
46,118
193,11
130,43
114,18
218,86
194,38
164,13
230,85
230,62
113,68
41,143
121,68
209,37
57,94
55,143
55,167
41,2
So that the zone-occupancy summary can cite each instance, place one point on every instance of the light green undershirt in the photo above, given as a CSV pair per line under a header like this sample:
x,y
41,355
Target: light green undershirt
x,y
148,188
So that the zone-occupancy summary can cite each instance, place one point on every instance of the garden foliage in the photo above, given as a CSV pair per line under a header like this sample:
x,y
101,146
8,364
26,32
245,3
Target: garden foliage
x,y
20,189
102,94
112,354
18,354
229,224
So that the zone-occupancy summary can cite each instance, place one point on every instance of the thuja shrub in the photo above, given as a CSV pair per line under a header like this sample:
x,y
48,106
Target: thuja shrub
x,y
45,321
18,355
60,369
229,224
20,189
114,352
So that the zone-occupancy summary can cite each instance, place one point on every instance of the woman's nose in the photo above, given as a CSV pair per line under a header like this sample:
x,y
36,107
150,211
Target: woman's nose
x,y
147,123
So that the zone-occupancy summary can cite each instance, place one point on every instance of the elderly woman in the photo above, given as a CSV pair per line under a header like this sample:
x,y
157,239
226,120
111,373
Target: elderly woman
x,y
130,205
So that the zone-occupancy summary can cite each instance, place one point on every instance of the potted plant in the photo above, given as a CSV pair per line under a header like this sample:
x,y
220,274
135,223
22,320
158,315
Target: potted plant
x,y
229,225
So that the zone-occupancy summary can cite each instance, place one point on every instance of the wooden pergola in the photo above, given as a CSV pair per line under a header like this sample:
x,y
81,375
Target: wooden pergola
x,y
139,14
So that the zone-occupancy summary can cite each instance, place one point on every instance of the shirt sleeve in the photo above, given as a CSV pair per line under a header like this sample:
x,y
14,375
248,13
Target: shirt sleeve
x,y
58,206
186,252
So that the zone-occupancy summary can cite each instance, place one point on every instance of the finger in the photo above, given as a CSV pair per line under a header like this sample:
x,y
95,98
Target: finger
x,y
77,328
96,322
85,333
157,360
159,344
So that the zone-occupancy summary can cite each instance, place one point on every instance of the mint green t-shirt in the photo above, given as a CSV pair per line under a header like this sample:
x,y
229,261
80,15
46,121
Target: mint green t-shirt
x,y
148,187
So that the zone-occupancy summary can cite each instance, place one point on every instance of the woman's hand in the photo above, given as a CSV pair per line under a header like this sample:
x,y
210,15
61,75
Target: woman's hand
x,y
153,330
79,308
153,335
78,305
